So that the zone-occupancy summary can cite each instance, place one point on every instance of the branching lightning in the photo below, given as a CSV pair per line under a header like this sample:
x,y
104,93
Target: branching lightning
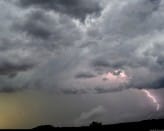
x,y
152,98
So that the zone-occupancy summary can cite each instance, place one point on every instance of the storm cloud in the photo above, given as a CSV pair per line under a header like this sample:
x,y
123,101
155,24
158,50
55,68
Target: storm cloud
x,y
94,58
84,75
75,8
60,45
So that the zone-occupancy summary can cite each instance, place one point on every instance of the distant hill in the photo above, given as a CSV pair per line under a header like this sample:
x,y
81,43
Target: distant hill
x,y
150,125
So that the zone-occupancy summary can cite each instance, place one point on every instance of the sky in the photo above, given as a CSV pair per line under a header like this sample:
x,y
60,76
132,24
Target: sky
x,y
71,62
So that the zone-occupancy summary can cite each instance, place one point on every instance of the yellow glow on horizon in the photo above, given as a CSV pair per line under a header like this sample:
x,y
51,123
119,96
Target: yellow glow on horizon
x,y
9,111
17,110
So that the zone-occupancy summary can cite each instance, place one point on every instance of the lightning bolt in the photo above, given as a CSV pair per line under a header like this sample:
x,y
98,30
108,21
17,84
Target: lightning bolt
x,y
152,98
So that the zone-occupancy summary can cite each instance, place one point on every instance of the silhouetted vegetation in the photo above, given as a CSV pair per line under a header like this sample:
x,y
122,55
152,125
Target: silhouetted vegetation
x,y
95,124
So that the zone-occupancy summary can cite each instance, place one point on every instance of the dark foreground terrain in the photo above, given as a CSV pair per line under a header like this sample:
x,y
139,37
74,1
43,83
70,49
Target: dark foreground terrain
x,y
151,125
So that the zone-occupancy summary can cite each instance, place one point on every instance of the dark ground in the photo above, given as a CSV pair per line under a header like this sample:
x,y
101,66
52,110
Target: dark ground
x,y
150,125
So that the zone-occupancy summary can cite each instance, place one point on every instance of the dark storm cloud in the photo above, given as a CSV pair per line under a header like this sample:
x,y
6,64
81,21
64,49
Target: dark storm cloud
x,y
9,90
84,75
75,8
156,2
11,69
156,84
100,63
133,19
46,30
103,90
159,83
104,63
160,60
35,25
127,35
74,91
53,46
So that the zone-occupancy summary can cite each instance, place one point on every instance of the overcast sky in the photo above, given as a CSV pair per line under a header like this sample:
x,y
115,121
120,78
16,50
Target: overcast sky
x,y
70,62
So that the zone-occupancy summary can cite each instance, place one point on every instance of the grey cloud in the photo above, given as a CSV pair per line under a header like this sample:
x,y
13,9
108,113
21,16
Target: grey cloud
x,y
100,63
154,84
104,63
159,83
133,19
106,89
8,68
127,35
45,48
75,8
160,60
84,75
9,90
36,24
13,58
129,42
73,91
47,31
